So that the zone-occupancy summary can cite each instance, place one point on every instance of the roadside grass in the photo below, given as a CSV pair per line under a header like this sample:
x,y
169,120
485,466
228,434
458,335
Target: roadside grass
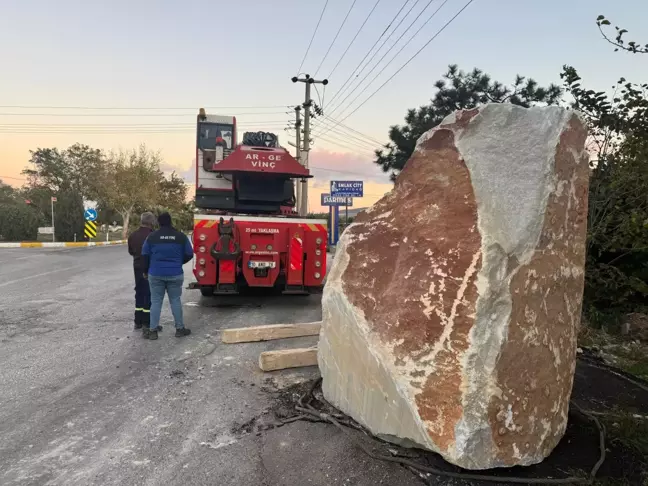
x,y
625,429
625,353
629,432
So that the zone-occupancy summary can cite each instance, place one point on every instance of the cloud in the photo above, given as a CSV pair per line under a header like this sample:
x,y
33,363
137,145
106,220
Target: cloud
x,y
188,173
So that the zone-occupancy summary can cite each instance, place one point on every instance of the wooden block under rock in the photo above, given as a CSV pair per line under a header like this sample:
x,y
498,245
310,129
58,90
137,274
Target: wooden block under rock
x,y
287,358
267,333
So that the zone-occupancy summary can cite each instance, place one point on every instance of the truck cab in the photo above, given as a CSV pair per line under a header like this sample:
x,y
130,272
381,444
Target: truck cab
x,y
243,178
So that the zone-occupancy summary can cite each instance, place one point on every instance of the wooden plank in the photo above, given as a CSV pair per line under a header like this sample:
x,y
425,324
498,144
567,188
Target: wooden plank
x,y
287,358
267,333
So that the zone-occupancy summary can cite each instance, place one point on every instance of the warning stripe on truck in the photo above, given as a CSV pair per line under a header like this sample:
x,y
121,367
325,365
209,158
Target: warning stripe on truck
x,y
204,223
314,227
210,223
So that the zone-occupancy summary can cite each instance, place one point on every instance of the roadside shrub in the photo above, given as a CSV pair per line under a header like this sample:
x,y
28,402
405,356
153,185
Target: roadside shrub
x,y
18,222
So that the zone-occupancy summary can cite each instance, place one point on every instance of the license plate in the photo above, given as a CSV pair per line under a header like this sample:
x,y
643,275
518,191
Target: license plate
x,y
257,264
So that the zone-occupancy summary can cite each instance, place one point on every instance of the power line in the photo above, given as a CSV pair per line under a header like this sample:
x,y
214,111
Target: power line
x,y
364,153
348,140
49,107
351,137
353,40
313,37
409,60
407,29
131,114
330,119
122,125
366,64
335,38
128,125
369,51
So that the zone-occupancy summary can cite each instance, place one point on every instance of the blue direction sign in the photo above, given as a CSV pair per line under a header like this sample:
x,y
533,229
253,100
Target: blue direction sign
x,y
90,214
329,200
347,188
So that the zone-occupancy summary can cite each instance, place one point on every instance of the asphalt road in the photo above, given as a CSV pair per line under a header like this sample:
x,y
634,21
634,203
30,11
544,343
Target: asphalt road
x,y
85,400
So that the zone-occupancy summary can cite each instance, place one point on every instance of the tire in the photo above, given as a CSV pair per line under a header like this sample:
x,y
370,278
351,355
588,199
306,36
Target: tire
x,y
207,291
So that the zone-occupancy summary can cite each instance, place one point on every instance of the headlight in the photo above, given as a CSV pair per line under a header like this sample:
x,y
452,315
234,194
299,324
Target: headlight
x,y
201,249
201,273
318,264
318,252
253,247
202,237
269,247
318,241
201,261
317,275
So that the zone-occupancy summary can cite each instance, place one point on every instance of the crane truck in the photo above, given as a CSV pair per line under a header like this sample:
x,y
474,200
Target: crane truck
x,y
247,232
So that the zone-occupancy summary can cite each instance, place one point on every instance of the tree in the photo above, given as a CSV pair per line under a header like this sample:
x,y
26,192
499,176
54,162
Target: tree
x,y
457,90
7,193
77,168
618,41
617,245
18,220
172,192
182,215
72,175
131,181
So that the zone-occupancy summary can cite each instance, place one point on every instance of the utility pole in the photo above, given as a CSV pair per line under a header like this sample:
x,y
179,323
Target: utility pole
x,y
298,146
307,80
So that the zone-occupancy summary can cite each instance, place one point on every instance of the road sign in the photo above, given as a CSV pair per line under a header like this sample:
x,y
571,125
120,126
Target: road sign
x,y
90,214
90,229
53,199
328,200
46,230
347,188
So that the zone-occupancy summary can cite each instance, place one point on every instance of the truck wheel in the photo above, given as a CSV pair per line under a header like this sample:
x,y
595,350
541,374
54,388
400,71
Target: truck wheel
x,y
207,291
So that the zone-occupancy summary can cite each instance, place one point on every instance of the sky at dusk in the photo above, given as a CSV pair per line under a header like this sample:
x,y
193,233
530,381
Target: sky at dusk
x,y
152,58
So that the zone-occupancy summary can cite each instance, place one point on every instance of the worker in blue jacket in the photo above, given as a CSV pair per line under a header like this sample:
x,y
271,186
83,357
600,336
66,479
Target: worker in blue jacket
x,y
164,253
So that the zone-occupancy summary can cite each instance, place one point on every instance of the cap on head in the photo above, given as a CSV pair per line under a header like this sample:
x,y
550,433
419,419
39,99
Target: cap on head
x,y
147,219
164,219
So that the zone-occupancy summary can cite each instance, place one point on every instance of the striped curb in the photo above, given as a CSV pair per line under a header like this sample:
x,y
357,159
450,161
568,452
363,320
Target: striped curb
x,y
63,244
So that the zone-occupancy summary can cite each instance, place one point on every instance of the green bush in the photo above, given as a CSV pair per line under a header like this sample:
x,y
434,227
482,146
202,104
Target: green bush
x,y
18,222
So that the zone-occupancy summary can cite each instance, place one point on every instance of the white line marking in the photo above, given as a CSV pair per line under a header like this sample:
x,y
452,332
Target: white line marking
x,y
40,275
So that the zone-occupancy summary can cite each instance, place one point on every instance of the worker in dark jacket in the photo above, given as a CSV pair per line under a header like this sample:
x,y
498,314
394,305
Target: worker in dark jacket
x,y
142,290
164,253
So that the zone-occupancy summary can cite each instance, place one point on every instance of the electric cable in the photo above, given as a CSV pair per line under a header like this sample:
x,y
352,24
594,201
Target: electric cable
x,y
335,38
50,107
388,51
367,54
359,73
313,37
353,40
409,60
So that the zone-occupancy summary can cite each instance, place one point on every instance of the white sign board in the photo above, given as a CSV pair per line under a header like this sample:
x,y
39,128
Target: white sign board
x,y
89,204
46,230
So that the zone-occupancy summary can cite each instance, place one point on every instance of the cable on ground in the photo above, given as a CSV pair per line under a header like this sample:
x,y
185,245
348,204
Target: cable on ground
x,y
343,423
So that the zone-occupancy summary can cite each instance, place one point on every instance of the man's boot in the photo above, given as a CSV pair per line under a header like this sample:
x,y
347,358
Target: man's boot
x,y
146,332
182,332
153,335
138,320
